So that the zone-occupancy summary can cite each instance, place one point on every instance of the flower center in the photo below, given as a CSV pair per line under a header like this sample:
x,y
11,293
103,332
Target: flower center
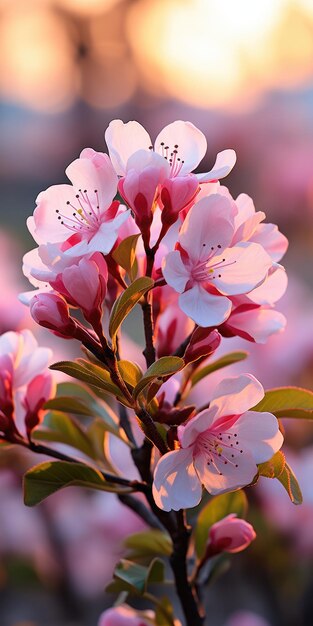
x,y
86,216
220,449
171,155
207,270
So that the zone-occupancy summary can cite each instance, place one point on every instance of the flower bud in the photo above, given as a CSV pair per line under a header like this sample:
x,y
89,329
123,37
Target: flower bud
x,y
38,392
83,285
51,311
202,344
230,534
176,194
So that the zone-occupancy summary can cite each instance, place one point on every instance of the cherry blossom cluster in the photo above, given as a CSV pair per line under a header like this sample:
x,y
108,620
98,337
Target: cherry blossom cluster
x,y
216,271
216,259
138,226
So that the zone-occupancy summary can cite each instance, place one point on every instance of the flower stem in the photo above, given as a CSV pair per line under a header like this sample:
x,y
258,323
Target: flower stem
x,y
178,562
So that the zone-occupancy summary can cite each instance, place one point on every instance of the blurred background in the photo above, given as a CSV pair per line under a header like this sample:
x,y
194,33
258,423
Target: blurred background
x,y
242,72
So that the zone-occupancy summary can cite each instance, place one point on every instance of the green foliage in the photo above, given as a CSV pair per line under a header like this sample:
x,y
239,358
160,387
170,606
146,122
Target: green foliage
x,y
130,372
166,366
217,508
82,402
93,375
164,614
149,543
125,255
45,479
290,483
228,359
126,302
135,578
287,402
274,467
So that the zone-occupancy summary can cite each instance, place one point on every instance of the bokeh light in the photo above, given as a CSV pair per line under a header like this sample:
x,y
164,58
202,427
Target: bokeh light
x,y
36,58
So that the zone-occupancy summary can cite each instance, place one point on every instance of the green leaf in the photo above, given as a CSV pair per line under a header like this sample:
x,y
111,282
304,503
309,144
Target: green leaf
x,y
68,405
164,613
84,403
290,483
165,366
217,508
130,372
60,427
126,302
45,479
149,542
228,359
94,375
287,402
125,254
274,467
135,578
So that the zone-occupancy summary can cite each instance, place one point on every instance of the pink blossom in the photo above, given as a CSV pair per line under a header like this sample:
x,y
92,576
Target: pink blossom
x,y
230,534
180,143
24,384
206,268
219,448
28,360
203,343
51,311
84,285
253,322
38,392
124,616
84,209
173,326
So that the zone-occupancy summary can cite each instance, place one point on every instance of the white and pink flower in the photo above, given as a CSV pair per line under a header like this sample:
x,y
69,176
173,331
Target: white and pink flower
x,y
207,268
219,448
84,209
181,145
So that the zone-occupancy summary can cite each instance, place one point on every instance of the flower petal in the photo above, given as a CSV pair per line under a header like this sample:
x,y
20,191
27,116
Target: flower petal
x,y
259,433
176,484
123,140
259,323
96,173
204,308
272,240
190,140
45,225
241,268
175,272
224,163
209,224
235,395
272,289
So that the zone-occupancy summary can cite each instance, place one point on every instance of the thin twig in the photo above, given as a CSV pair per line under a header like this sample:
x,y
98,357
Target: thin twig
x,y
141,510
136,485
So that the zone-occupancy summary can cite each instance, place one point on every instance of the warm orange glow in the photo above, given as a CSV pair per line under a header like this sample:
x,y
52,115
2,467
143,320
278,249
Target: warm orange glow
x,y
88,7
208,52
109,76
36,58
